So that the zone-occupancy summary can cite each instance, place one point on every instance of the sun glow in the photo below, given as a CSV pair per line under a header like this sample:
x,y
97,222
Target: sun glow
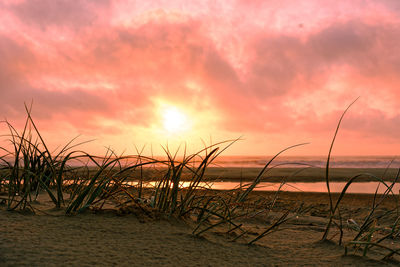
x,y
174,120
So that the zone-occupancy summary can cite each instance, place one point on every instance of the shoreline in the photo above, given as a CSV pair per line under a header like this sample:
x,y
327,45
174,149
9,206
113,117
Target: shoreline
x,y
248,174
299,174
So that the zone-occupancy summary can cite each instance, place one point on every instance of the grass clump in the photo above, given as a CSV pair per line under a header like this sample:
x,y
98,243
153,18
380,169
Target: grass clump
x,y
29,167
371,232
76,182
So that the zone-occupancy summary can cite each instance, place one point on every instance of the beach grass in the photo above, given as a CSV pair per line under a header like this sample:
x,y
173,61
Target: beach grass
x,y
28,168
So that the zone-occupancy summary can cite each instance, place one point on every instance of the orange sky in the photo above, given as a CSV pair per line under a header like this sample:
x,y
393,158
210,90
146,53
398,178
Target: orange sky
x,y
277,73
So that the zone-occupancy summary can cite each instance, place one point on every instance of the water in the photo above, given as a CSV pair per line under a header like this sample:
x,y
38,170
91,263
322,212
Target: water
x,y
319,187
316,161
290,161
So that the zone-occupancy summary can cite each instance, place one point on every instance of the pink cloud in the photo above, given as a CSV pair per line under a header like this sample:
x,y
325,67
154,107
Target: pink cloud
x,y
265,68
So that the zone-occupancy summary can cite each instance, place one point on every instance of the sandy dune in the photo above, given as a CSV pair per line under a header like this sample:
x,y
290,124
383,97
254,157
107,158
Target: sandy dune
x,y
107,239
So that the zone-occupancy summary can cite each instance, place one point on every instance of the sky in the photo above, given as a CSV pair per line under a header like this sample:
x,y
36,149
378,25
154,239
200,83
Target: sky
x,y
150,73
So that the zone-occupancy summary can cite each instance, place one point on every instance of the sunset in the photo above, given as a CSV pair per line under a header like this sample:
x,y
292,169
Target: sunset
x,y
175,109
275,73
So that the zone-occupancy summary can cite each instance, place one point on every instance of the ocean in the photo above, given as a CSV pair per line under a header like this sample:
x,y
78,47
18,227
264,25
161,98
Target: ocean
x,y
315,161
286,161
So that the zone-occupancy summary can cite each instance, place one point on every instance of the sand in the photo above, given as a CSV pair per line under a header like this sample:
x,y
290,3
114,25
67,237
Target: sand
x,y
108,239
278,174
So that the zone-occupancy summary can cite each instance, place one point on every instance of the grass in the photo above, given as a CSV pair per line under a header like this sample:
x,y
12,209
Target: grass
x,y
371,224
28,167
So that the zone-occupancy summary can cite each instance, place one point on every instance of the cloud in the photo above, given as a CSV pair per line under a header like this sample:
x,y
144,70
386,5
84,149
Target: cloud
x,y
258,73
45,13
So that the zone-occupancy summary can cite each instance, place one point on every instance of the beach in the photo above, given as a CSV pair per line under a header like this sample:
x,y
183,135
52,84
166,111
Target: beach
x,y
300,174
199,133
112,238
278,175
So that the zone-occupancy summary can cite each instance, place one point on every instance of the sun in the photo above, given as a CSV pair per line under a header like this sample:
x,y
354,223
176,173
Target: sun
x,y
174,120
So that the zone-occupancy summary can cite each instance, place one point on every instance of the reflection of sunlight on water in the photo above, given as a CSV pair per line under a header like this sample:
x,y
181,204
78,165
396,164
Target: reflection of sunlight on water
x,y
336,187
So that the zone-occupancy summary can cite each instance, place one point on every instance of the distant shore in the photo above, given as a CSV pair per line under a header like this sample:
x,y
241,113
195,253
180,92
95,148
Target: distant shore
x,y
301,175
248,174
